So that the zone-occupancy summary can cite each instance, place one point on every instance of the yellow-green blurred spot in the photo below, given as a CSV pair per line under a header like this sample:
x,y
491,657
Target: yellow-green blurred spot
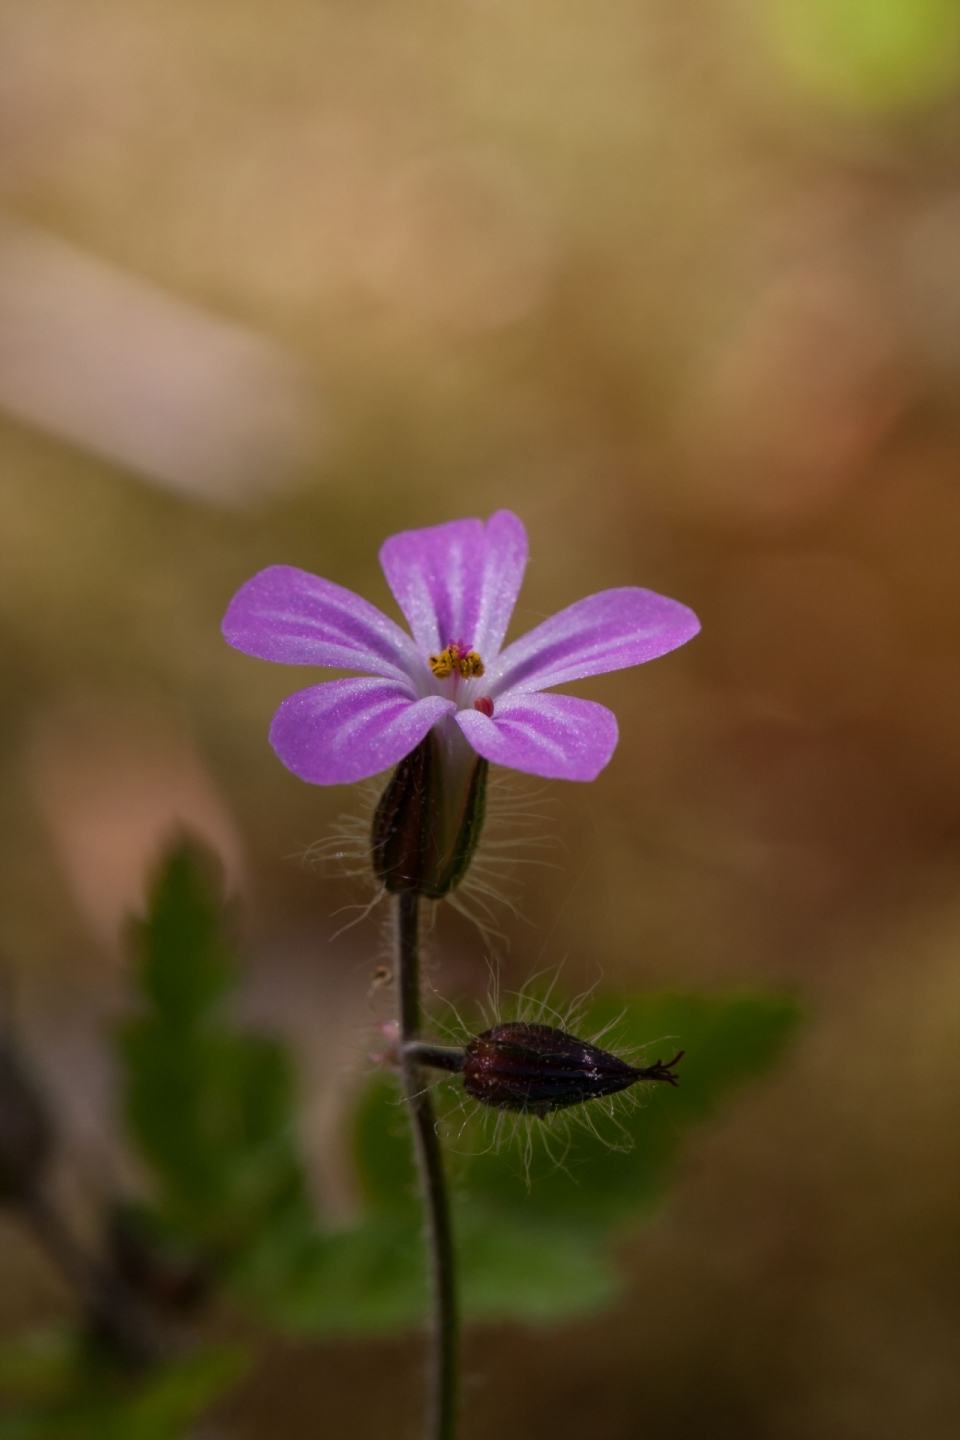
x,y
870,54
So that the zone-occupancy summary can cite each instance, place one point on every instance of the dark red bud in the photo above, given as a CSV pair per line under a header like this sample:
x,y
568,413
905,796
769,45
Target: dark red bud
x,y
537,1068
484,705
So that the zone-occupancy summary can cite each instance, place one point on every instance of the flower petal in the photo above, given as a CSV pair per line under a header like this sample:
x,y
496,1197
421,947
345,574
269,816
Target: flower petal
x,y
458,581
345,730
297,618
603,632
556,736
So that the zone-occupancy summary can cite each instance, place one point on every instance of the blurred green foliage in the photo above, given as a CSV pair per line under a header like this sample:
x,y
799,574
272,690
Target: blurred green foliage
x,y
211,1108
870,54
538,1205
67,1391
213,1111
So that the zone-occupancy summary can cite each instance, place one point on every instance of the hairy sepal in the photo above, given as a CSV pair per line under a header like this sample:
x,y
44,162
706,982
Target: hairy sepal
x,y
429,819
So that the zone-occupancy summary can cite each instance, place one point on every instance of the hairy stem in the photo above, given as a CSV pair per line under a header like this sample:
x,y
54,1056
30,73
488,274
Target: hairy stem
x,y
441,1421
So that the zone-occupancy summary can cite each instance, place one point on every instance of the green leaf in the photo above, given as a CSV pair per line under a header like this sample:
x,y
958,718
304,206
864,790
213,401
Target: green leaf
x,y
80,1400
185,962
382,1148
370,1277
521,1267
177,1396
212,1109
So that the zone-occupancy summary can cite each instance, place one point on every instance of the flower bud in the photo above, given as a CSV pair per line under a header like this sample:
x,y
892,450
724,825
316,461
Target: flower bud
x,y
536,1068
26,1136
429,818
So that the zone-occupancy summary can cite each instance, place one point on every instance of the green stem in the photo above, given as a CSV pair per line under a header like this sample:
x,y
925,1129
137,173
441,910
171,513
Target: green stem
x,y
441,1420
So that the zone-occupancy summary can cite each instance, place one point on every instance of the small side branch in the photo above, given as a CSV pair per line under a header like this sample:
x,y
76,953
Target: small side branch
x,y
442,1405
437,1057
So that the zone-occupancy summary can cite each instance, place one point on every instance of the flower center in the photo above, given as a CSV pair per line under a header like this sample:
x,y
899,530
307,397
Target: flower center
x,y
456,659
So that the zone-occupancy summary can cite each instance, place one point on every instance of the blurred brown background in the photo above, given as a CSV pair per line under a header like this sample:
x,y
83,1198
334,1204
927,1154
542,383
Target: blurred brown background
x,y
679,282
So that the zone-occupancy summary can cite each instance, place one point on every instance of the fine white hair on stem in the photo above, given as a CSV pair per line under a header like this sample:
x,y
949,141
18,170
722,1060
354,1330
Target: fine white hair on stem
x,y
364,910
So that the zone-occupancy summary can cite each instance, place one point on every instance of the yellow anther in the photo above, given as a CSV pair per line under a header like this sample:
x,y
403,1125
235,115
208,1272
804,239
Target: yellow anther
x,y
456,658
442,664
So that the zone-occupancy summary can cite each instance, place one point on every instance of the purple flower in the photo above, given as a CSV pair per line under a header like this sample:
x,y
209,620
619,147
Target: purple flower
x,y
456,585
